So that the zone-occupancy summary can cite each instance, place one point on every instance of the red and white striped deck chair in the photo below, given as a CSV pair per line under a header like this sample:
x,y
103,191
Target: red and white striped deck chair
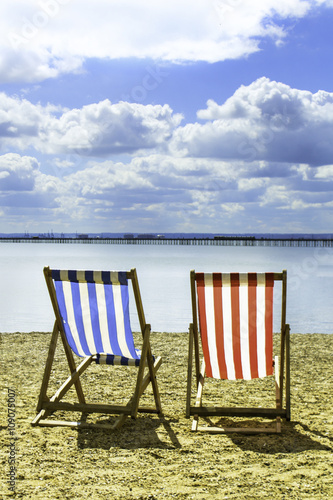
x,y
236,342
93,320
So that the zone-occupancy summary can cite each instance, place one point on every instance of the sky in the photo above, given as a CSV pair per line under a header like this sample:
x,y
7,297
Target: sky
x,y
213,116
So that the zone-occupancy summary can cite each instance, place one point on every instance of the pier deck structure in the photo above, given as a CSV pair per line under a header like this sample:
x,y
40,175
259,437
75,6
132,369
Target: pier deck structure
x,y
217,241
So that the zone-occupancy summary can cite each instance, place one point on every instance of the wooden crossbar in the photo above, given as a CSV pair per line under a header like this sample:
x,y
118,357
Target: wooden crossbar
x,y
216,411
95,408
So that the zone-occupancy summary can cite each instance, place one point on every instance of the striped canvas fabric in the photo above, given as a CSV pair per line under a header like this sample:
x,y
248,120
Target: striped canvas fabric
x,y
110,359
236,324
94,306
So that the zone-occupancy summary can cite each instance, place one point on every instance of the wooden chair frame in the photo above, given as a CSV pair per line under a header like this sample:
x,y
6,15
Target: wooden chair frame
x,y
47,405
282,376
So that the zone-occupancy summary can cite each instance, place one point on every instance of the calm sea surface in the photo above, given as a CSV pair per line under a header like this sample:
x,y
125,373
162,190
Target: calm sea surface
x,y
163,273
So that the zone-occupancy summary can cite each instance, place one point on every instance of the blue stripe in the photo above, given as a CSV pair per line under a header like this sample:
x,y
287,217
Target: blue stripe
x,y
78,317
94,315
106,277
111,318
63,314
55,274
122,277
89,276
128,330
72,276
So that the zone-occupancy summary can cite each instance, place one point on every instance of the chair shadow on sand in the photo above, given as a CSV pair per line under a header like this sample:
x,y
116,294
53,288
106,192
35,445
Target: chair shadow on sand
x,y
159,433
296,437
141,433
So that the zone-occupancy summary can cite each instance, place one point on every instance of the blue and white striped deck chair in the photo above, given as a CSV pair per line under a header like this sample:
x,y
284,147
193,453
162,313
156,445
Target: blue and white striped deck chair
x,y
92,317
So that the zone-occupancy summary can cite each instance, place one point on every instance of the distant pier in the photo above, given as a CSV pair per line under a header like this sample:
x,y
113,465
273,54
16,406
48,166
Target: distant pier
x,y
245,241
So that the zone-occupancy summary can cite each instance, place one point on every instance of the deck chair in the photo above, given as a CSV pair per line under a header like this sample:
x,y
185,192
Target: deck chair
x,y
236,342
92,317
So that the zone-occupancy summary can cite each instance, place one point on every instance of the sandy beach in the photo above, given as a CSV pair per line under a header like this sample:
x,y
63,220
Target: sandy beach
x,y
159,457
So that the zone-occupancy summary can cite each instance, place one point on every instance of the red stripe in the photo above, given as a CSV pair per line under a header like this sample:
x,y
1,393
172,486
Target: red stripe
x,y
202,321
217,281
252,305
234,282
269,322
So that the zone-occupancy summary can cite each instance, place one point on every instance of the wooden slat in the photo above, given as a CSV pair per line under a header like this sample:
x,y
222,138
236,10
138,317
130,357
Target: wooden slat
x,y
138,301
48,367
198,400
189,371
144,356
195,325
277,391
277,276
77,425
243,430
95,408
217,411
283,331
288,372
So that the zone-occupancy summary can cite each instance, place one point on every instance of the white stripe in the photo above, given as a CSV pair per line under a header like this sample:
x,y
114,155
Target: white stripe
x,y
244,325
210,320
261,337
119,312
227,329
66,285
86,317
81,276
103,319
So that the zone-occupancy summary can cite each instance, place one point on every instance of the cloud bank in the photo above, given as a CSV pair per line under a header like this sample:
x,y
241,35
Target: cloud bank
x,y
35,43
266,150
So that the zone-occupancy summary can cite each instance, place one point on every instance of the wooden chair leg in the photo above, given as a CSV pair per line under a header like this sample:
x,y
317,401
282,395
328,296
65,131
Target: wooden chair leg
x,y
288,372
198,401
277,391
48,367
145,382
144,355
189,372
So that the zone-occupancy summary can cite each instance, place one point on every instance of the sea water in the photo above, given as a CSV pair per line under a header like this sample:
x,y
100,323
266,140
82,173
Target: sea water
x,y
164,279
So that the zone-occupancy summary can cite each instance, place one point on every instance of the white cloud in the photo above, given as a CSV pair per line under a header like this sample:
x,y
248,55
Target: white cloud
x,y
97,129
232,208
192,177
17,173
248,184
266,120
154,192
325,172
46,37
105,128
